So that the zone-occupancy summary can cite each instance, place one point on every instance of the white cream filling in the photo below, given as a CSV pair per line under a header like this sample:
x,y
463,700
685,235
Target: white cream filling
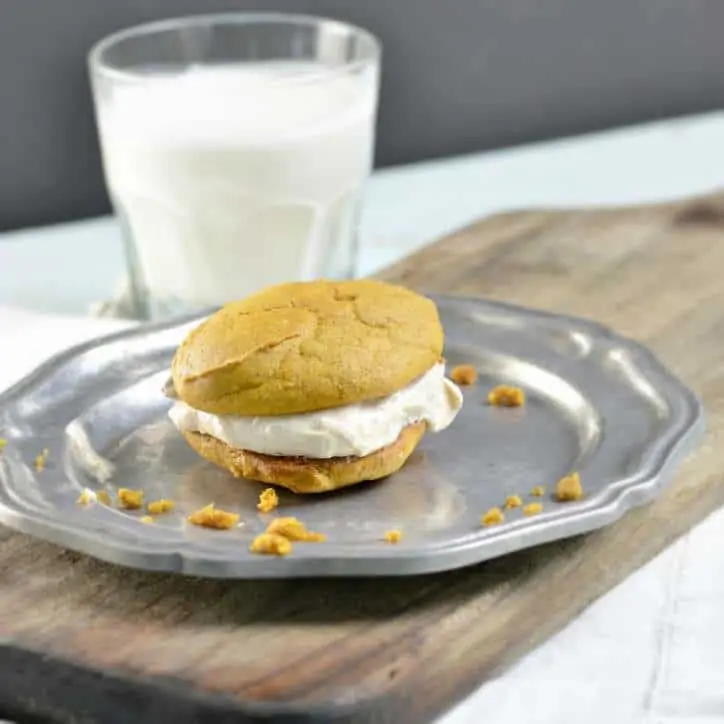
x,y
356,430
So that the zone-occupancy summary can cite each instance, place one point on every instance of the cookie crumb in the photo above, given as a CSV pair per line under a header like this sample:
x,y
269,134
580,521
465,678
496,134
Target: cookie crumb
x,y
86,497
103,497
569,488
268,500
146,519
294,529
158,507
41,459
271,544
130,499
533,509
513,501
493,517
211,517
393,536
506,396
538,492
3,443
464,375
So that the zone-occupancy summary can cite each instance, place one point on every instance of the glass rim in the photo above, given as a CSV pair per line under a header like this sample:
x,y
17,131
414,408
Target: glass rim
x,y
98,66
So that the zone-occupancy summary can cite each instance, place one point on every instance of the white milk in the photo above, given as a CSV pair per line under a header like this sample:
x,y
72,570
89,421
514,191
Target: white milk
x,y
229,178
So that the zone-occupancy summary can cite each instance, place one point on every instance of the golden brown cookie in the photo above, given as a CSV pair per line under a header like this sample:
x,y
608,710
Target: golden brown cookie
x,y
308,346
306,475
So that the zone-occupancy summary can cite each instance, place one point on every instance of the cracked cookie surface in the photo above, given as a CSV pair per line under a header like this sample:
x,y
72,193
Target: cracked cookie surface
x,y
308,346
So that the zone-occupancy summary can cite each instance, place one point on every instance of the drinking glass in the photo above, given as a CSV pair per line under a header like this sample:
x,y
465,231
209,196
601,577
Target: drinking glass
x,y
235,148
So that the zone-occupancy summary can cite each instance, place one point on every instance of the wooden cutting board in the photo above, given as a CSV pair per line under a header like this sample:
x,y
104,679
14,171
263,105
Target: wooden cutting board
x,y
83,641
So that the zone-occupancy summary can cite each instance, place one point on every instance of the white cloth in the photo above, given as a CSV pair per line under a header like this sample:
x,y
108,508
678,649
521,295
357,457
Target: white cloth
x,y
649,652
27,339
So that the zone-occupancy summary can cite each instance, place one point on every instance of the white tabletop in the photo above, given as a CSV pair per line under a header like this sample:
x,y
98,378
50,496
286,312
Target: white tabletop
x,y
652,650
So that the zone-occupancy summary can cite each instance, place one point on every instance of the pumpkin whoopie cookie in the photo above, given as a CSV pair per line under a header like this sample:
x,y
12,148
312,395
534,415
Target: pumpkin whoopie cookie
x,y
314,385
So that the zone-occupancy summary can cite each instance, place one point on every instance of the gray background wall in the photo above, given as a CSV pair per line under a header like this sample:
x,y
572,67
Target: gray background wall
x,y
459,76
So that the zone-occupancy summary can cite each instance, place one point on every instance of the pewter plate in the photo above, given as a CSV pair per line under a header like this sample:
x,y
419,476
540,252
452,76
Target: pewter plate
x,y
597,403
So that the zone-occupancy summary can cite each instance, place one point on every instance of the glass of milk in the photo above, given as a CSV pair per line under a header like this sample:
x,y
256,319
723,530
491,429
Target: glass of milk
x,y
235,148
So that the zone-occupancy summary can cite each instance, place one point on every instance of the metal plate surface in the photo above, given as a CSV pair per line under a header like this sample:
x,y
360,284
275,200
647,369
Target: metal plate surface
x,y
597,403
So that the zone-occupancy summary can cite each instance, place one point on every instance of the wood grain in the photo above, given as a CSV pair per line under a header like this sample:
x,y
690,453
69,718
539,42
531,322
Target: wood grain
x,y
119,645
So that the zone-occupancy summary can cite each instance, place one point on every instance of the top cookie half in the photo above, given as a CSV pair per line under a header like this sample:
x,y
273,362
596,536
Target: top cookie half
x,y
308,346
